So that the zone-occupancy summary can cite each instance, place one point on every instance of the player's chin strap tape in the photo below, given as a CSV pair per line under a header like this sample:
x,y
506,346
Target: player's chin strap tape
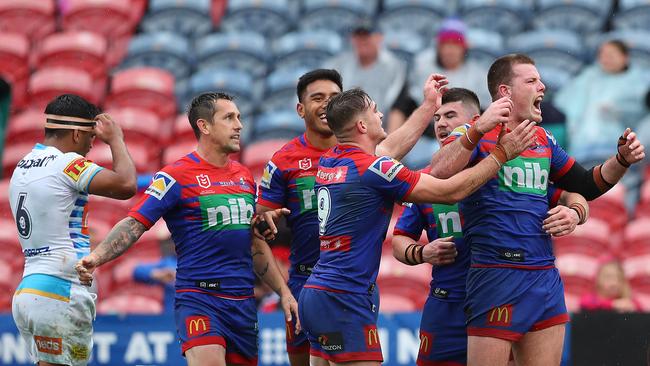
x,y
589,183
55,121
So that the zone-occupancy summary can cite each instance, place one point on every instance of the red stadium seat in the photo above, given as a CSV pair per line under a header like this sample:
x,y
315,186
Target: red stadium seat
x,y
46,84
578,272
395,303
610,208
256,155
33,18
12,154
110,18
391,267
11,250
14,67
75,49
636,238
140,126
643,208
130,304
5,208
145,87
183,130
591,238
26,127
416,291
637,271
177,151
107,211
123,271
101,154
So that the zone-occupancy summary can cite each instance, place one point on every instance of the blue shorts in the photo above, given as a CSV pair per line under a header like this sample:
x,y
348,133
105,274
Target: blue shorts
x,y
341,327
443,339
203,318
296,343
507,303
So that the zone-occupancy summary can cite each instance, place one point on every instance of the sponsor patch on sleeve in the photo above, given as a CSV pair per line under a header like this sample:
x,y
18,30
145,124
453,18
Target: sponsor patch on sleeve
x,y
550,136
265,182
76,167
386,167
161,184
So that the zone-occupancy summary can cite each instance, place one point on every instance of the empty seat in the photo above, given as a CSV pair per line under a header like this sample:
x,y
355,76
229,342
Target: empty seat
x,y
48,83
245,51
106,211
280,90
74,49
484,45
278,124
582,16
396,303
110,18
591,238
258,153
189,18
578,271
101,154
643,207
130,304
637,272
417,16
140,126
636,238
26,127
306,49
144,87
14,67
234,82
632,14
611,208
554,78
169,51
175,151
339,16
561,49
405,44
33,18
271,18
503,16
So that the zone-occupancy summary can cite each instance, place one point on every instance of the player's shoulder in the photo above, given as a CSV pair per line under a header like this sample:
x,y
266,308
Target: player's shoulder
x,y
382,166
285,157
239,168
545,135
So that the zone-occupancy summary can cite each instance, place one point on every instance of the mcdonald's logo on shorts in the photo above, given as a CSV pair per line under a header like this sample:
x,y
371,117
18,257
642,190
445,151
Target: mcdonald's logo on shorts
x,y
500,316
197,325
372,336
426,339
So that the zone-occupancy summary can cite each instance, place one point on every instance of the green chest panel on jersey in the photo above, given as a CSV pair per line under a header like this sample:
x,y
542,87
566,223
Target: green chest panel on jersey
x,y
306,194
525,175
227,211
447,220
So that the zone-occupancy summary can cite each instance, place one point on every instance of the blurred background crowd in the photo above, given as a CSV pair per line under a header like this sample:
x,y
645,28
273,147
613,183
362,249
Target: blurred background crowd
x,y
143,60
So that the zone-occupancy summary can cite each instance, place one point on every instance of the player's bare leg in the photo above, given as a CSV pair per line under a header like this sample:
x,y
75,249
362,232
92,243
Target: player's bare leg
x,y
487,351
208,355
300,359
43,363
542,347
357,363
318,361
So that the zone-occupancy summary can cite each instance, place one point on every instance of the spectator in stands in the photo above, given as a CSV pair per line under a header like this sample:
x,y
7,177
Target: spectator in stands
x,y
371,66
612,291
161,273
448,57
601,101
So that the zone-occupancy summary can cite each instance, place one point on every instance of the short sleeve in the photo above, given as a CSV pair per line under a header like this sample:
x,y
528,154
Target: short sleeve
x,y
553,194
411,222
79,172
390,177
162,194
272,189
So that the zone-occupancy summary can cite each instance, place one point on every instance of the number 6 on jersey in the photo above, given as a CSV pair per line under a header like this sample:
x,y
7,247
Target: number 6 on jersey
x,y
324,206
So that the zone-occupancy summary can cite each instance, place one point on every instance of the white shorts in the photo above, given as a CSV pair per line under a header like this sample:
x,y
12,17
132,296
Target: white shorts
x,y
54,317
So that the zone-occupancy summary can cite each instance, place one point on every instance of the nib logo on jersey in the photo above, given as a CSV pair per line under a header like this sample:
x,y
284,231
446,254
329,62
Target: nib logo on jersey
x,y
227,211
525,175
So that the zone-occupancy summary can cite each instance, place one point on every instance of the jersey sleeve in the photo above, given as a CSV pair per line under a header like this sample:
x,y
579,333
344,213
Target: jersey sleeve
x,y
163,193
553,194
390,177
457,133
79,172
410,223
272,189
561,162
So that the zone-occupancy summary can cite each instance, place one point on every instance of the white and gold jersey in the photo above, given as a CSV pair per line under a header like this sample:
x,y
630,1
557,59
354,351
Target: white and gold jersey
x,y
48,194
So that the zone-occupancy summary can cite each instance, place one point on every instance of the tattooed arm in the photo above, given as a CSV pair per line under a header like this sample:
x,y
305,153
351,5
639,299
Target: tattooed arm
x,y
121,237
266,268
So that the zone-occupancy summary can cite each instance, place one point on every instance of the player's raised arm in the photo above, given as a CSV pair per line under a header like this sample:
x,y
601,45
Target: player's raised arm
x,y
121,182
461,185
266,268
400,142
118,240
456,153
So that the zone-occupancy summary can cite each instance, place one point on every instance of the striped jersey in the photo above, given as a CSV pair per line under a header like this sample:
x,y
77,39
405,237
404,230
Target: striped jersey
x,y
48,193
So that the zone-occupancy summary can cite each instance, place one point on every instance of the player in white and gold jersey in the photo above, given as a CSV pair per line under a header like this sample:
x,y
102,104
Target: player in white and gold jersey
x,y
48,194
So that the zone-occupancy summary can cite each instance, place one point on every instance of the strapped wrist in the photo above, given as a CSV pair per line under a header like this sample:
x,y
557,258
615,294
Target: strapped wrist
x,y
581,211
471,138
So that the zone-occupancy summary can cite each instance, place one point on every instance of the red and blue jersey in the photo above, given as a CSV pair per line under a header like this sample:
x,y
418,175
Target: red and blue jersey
x,y
208,211
288,181
441,221
503,219
356,192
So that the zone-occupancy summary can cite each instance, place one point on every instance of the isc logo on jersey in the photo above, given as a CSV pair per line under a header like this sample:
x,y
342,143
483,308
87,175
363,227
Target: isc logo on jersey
x,y
267,175
161,184
525,175
386,167
227,211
